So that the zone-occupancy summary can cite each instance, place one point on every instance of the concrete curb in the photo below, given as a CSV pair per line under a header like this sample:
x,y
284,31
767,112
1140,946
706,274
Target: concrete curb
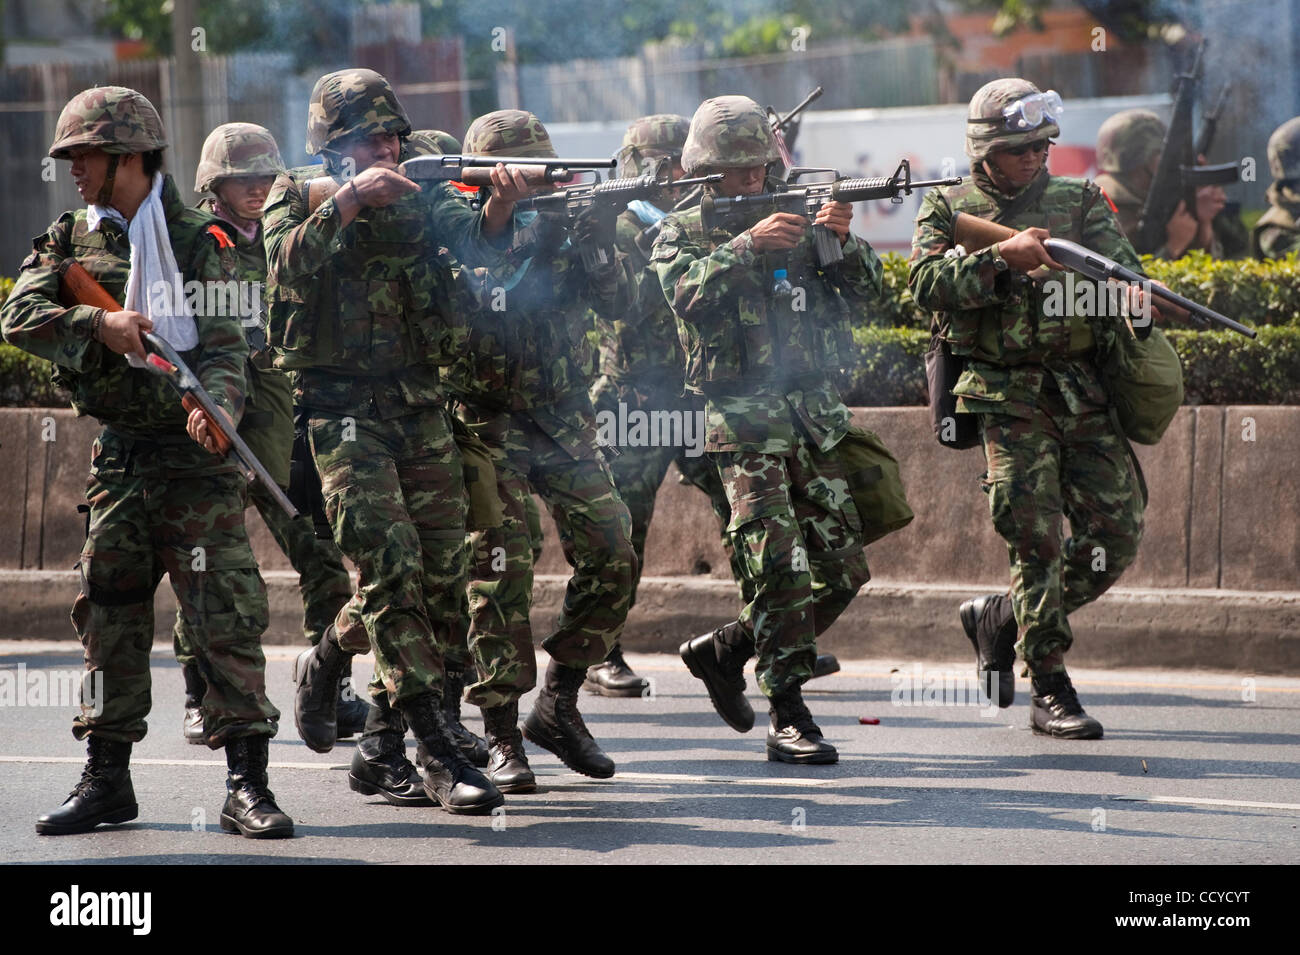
x,y
1256,632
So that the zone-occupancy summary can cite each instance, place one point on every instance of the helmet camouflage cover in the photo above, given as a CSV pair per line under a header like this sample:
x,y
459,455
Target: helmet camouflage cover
x,y
728,132
237,149
1128,139
352,103
112,118
1284,150
433,142
988,103
651,138
509,132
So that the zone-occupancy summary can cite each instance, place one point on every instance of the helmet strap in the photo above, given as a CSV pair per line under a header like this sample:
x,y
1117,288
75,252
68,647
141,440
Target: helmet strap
x,y
105,196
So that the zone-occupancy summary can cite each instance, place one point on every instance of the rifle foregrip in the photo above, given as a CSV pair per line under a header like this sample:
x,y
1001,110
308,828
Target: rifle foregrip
x,y
189,403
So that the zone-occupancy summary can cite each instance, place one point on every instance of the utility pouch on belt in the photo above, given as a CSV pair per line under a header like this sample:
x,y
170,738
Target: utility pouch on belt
x,y
875,484
942,369
485,508
1144,380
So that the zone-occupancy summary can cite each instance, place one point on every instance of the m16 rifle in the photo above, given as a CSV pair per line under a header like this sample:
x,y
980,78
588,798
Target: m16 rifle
x,y
740,212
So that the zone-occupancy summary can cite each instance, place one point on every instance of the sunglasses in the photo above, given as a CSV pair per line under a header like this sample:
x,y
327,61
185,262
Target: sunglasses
x,y
1038,147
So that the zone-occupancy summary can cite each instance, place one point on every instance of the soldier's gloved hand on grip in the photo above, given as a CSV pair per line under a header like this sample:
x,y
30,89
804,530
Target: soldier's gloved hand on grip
x,y
595,225
197,428
1025,251
836,216
779,232
120,332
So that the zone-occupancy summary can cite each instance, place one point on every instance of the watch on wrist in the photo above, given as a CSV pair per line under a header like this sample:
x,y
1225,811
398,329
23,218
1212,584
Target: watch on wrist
x,y
999,263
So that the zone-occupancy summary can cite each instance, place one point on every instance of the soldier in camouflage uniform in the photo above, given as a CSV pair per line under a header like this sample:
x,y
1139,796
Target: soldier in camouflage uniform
x,y
1033,379
524,389
1128,152
1277,233
360,312
158,501
774,419
238,164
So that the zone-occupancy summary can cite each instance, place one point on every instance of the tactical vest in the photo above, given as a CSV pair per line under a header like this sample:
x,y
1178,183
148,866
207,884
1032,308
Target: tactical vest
x,y
378,305
1018,331
761,340
1276,220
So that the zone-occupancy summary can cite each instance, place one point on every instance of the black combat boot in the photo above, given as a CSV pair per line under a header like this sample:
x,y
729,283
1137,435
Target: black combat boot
x,y
1054,709
195,687
990,625
318,672
556,724
449,777
380,766
474,747
250,808
353,710
826,665
507,765
103,795
793,736
718,659
614,677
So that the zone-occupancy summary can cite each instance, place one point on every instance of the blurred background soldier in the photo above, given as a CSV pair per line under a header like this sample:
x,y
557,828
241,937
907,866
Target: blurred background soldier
x,y
160,500
1033,379
359,314
1128,152
1278,231
524,386
238,164
774,424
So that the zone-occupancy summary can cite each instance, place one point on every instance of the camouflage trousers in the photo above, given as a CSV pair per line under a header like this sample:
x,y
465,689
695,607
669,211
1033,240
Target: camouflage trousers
x,y
160,508
798,542
702,473
395,498
594,531
1059,463
323,581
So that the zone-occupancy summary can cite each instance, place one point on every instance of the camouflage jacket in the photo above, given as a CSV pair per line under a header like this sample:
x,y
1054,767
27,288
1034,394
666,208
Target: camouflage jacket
x,y
362,313
761,363
129,400
250,265
1230,240
1277,232
639,346
528,321
996,319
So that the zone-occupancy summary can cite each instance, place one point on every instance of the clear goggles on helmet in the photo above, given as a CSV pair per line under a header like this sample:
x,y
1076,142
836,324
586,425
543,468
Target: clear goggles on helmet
x,y
1029,112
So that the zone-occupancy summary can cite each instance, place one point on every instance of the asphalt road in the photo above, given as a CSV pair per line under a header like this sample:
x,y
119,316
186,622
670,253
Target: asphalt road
x,y
1191,771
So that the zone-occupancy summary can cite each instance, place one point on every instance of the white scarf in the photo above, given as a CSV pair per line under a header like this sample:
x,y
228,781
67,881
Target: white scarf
x,y
153,268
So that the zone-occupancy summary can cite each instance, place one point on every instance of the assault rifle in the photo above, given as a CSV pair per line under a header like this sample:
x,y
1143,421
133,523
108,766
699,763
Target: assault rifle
x,y
471,170
616,192
79,287
785,129
740,212
1178,176
974,234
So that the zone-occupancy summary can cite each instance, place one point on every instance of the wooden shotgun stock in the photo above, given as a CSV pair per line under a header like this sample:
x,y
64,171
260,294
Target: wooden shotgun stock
x,y
975,234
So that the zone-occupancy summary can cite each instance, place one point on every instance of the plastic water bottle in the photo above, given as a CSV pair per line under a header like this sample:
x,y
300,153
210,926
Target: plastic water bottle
x,y
782,290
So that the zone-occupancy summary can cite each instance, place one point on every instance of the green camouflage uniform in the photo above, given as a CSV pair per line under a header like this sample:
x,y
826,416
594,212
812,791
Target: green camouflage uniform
x,y
1128,141
773,420
158,502
1277,233
359,315
1049,440
524,384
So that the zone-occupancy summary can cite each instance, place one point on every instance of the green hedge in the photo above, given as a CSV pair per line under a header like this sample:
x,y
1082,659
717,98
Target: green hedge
x,y
1220,367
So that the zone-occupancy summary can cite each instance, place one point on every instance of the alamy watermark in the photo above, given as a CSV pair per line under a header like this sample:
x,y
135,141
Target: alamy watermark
x,y
920,686
653,429
62,688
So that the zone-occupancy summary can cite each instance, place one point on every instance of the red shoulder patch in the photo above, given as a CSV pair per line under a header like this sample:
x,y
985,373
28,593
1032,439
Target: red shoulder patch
x,y
1113,208
461,187
224,241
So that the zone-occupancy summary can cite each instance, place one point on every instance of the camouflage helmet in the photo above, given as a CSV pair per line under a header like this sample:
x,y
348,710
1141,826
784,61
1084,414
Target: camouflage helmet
x,y
112,118
237,149
1284,150
1127,140
728,132
432,142
986,127
651,137
349,103
509,132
